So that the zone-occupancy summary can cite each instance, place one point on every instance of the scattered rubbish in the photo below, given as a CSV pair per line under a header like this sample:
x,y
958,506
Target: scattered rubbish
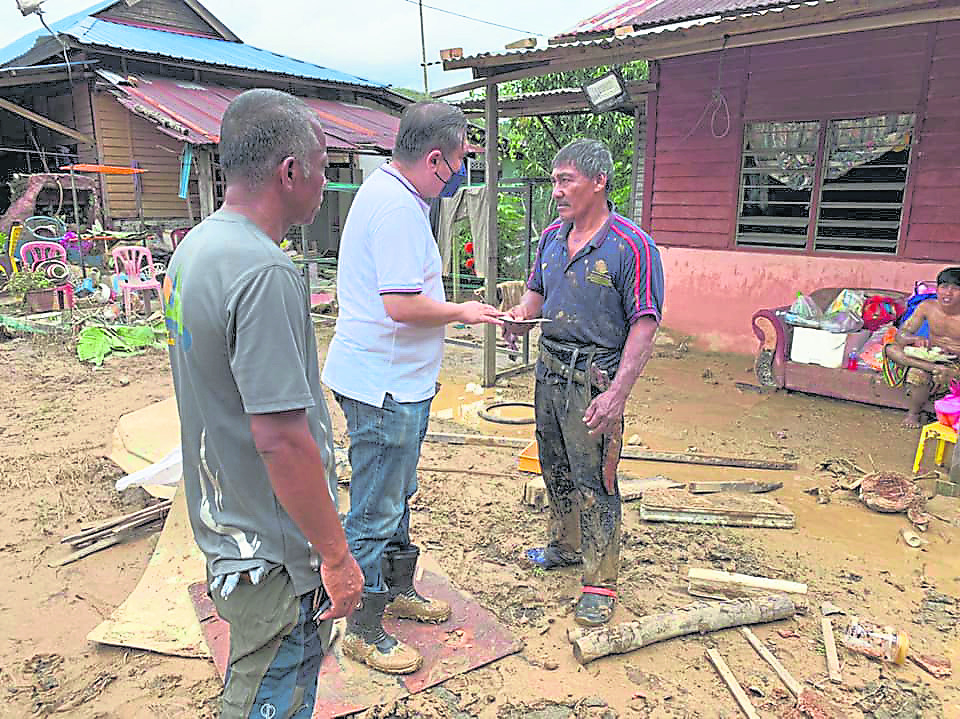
x,y
743,701
792,684
939,667
95,342
827,609
875,641
729,509
716,584
634,440
14,325
912,539
743,486
891,492
788,634
840,467
697,618
830,646
889,698
940,610
810,705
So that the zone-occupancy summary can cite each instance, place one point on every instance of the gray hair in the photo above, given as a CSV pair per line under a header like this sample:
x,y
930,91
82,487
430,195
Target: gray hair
x,y
591,158
259,129
428,126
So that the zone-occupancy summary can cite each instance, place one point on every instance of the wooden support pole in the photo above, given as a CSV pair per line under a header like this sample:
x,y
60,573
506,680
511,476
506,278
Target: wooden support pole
x,y
833,661
492,181
732,684
46,122
205,183
792,684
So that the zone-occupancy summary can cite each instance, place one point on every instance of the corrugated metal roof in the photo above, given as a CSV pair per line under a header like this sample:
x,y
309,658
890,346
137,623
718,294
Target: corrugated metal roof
x,y
192,112
92,31
650,13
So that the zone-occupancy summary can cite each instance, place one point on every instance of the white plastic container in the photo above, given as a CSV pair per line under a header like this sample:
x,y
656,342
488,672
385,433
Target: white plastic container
x,y
812,346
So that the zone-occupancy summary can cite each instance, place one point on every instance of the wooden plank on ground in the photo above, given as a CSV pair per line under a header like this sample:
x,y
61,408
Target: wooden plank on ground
x,y
476,440
732,684
734,486
833,661
648,455
727,509
792,684
714,584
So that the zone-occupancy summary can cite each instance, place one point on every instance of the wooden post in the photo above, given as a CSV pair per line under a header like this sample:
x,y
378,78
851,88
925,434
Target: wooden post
x,y
205,182
493,168
792,684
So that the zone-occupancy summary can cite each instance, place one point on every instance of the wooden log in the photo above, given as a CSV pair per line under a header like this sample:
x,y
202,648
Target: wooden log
x,y
744,486
701,617
87,551
833,661
716,584
732,684
792,684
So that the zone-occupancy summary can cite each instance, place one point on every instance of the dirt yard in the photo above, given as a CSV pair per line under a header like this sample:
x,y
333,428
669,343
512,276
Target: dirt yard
x,y
56,426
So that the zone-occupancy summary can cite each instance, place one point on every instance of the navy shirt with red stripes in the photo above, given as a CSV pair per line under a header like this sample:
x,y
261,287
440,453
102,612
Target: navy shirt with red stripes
x,y
595,297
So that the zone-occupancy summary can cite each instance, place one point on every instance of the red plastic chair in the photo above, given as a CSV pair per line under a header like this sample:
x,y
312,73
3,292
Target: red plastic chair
x,y
178,235
33,253
134,262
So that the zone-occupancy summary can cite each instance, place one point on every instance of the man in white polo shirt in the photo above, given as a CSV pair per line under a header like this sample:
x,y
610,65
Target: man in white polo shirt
x,y
383,364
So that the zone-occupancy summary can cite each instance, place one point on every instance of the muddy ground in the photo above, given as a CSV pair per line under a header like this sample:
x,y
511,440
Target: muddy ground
x,y
56,424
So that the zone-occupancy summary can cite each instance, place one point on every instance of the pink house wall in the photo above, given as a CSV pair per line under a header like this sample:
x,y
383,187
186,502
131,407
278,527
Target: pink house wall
x,y
712,294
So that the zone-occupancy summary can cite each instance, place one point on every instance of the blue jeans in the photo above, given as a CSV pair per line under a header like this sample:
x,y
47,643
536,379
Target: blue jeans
x,y
384,452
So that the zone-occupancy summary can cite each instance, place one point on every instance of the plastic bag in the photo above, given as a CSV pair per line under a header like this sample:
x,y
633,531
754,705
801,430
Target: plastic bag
x,y
841,322
847,301
805,308
871,354
881,310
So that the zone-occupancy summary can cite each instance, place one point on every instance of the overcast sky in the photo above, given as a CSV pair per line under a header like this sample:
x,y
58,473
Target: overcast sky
x,y
374,39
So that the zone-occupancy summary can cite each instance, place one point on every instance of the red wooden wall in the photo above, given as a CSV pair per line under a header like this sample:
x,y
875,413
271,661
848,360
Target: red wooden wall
x,y
693,155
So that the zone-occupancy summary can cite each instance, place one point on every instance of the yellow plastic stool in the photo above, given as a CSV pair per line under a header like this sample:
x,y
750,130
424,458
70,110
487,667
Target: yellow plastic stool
x,y
943,434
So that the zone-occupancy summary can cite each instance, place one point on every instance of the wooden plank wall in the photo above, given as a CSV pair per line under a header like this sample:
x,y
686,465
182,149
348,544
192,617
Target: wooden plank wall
x,y
695,183
171,14
934,229
124,138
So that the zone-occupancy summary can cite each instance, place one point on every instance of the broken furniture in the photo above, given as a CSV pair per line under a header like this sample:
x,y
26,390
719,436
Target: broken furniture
x,y
940,432
137,264
50,258
774,368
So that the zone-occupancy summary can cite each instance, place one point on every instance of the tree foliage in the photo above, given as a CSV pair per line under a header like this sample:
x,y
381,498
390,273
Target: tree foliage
x,y
531,144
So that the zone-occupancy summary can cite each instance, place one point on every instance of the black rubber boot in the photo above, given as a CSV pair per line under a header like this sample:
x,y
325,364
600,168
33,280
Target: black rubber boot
x,y
366,640
404,601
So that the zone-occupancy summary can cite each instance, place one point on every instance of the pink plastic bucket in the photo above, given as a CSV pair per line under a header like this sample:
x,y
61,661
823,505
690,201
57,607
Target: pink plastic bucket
x,y
948,411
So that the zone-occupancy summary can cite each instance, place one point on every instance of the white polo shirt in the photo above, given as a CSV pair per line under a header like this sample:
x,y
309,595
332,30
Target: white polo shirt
x,y
387,247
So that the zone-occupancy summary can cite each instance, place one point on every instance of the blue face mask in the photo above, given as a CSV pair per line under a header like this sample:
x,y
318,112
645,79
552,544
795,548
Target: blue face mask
x,y
457,177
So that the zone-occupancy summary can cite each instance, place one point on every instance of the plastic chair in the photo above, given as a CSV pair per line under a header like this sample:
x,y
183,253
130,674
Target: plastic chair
x,y
177,236
943,434
135,261
32,254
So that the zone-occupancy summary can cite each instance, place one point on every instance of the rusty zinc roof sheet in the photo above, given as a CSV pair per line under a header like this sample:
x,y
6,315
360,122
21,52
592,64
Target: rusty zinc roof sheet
x,y
192,112
651,13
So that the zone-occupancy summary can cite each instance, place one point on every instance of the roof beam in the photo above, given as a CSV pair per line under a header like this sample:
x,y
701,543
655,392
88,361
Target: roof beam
x,y
46,122
20,80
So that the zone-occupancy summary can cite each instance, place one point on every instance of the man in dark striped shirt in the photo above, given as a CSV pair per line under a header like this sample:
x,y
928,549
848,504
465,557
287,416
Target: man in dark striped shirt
x,y
598,279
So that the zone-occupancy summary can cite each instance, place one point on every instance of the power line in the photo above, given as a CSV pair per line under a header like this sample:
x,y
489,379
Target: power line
x,y
474,19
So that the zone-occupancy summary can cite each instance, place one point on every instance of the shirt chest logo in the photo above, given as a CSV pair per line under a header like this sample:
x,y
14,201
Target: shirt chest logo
x,y
599,275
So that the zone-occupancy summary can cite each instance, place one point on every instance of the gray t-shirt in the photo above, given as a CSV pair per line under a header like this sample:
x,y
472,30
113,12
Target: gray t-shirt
x,y
241,343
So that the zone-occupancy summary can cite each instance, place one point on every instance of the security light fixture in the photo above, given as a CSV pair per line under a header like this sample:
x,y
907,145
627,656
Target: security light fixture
x,y
606,92
28,7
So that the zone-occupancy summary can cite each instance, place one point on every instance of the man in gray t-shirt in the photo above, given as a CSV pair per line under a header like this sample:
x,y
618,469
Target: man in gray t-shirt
x,y
256,436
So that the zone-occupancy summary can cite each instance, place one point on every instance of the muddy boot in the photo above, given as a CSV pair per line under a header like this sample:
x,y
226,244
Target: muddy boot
x,y
404,600
366,641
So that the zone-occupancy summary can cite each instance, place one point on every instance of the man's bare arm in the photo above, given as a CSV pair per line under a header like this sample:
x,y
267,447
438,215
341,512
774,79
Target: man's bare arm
x,y
907,332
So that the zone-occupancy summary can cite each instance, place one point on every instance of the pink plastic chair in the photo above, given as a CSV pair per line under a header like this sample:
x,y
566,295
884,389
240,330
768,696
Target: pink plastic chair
x,y
33,253
133,262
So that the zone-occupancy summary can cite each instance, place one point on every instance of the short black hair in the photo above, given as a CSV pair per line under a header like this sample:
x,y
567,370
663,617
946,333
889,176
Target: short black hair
x,y
949,276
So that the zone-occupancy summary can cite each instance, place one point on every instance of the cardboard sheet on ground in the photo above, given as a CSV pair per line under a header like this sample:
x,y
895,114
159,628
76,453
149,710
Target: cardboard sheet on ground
x,y
158,615
471,638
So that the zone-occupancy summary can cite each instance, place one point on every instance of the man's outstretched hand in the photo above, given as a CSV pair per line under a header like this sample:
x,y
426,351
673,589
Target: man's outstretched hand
x,y
476,313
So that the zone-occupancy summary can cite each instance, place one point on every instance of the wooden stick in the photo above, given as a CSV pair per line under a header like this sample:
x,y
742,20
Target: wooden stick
x,y
86,551
792,684
732,684
458,470
698,618
744,486
646,455
121,528
833,661
106,524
